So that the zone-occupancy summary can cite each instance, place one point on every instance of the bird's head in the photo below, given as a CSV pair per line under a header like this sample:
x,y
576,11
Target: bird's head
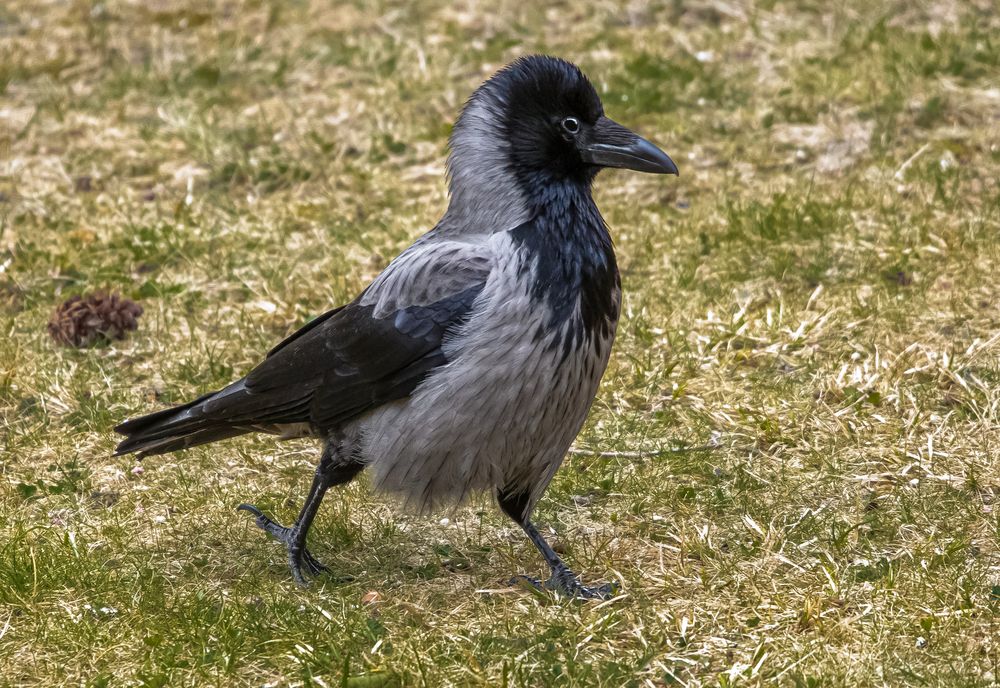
x,y
538,121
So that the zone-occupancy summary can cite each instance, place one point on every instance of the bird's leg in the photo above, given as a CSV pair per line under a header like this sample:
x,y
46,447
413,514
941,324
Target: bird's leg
x,y
563,579
331,471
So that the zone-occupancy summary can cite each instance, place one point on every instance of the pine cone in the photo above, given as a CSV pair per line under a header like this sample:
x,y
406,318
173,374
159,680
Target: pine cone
x,y
83,320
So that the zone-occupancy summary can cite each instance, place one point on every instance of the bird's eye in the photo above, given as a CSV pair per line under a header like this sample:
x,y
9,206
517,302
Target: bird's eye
x,y
571,125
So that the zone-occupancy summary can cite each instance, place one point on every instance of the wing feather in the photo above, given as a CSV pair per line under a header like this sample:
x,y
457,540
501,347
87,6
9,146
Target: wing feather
x,y
351,359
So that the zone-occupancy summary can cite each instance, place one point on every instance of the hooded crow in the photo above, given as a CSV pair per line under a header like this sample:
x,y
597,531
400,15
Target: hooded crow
x,y
471,361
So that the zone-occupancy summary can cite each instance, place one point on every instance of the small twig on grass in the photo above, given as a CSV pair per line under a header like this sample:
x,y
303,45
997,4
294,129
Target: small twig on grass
x,y
644,453
901,172
6,625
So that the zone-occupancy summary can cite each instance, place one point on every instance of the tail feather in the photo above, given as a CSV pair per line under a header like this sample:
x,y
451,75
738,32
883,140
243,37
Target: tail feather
x,y
176,428
151,447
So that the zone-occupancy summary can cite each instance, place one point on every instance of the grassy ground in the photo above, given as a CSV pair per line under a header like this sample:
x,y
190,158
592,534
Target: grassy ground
x,y
793,466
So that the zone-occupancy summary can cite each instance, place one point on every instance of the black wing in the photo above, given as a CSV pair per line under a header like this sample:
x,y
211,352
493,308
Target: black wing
x,y
355,361
308,327
342,364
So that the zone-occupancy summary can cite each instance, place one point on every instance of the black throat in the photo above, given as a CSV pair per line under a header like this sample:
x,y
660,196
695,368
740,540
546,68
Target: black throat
x,y
573,269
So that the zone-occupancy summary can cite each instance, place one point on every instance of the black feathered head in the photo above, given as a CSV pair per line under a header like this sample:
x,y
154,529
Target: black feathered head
x,y
536,121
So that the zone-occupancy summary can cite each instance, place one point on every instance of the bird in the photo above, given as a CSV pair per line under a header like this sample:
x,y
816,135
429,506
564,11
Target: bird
x,y
470,363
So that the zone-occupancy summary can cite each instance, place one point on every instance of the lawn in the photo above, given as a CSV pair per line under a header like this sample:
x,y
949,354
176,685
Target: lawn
x,y
793,464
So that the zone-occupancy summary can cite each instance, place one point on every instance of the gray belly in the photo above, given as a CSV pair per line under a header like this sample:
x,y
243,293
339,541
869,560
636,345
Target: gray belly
x,y
500,414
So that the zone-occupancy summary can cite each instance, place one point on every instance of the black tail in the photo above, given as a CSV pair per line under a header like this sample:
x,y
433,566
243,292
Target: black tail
x,y
176,428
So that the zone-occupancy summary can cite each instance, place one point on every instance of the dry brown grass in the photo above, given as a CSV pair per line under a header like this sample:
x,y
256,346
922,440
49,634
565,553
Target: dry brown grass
x,y
792,467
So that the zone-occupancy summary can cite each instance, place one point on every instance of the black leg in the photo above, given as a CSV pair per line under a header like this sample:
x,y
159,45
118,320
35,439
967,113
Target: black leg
x,y
331,471
563,579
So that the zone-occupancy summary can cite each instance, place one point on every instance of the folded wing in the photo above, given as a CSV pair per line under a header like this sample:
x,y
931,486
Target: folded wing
x,y
352,359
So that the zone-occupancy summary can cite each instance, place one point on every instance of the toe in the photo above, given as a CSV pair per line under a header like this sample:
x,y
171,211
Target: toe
x,y
299,578
265,522
602,592
312,564
295,566
566,583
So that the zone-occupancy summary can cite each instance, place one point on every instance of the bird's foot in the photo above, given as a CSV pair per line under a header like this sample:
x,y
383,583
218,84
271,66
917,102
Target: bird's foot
x,y
566,583
298,556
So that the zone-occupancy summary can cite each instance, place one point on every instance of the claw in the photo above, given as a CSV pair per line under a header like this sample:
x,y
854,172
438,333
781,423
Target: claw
x,y
259,515
252,509
298,554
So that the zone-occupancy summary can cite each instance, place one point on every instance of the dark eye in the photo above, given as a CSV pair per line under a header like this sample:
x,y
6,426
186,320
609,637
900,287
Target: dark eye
x,y
571,125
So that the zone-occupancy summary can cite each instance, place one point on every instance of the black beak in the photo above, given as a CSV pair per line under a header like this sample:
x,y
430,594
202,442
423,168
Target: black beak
x,y
609,144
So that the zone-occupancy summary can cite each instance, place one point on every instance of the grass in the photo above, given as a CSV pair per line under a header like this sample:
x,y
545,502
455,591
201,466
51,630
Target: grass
x,y
792,467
